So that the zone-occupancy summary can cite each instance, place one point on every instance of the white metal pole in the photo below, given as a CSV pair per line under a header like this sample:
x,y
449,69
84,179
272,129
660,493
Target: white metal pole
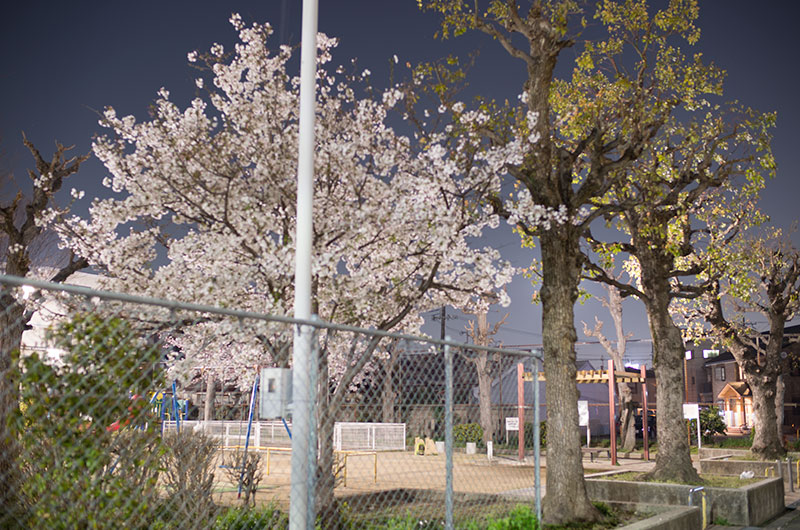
x,y
301,384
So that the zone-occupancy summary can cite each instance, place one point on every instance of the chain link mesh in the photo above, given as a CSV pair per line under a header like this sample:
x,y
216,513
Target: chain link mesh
x,y
141,415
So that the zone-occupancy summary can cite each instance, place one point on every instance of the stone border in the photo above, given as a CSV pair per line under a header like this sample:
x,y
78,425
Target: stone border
x,y
748,506
675,518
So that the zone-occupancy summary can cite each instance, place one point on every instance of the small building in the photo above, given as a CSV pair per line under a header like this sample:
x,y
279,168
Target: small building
x,y
736,404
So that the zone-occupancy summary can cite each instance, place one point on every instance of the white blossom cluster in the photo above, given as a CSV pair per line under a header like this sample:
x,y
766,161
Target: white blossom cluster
x,y
523,210
205,203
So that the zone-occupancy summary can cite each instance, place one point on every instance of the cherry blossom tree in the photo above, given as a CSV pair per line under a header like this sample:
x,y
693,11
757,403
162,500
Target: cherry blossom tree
x,y
204,212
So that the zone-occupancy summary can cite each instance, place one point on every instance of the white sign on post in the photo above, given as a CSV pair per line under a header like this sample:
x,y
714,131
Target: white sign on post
x,y
583,413
512,424
583,419
691,411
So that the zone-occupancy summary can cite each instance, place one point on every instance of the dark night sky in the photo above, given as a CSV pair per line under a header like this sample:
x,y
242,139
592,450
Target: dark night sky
x,y
62,62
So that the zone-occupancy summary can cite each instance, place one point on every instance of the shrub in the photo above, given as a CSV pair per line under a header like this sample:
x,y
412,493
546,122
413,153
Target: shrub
x,y
542,434
467,432
188,476
247,519
84,465
521,518
711,424
251,476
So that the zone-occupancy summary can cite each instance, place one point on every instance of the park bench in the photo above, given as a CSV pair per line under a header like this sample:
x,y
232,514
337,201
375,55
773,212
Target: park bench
x,y
596,452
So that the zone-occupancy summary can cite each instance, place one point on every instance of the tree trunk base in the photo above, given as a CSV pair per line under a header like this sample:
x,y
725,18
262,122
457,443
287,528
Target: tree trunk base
x,y
562,511
679,473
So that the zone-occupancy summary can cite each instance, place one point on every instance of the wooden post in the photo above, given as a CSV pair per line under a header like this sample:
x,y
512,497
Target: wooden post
x,y
521,413
611,412
645,420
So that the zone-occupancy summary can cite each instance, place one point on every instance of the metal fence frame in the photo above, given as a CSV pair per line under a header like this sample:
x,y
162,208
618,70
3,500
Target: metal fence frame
x,y
310,327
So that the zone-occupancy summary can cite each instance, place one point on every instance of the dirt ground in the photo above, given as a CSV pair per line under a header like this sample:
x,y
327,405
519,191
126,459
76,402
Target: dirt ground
x,y
472,474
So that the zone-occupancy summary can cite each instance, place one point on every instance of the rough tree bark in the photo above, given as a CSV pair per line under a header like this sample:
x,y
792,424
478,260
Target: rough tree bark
x,y
780,393
566,498
673,460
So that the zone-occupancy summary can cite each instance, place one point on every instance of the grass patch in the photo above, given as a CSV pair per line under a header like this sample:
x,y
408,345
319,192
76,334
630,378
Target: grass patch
x,y
713,481
730,442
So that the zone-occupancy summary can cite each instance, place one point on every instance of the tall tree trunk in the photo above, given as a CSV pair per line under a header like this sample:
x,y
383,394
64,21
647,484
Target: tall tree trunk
x,y
388,394
485,395
12,325
673,461
780,393
627,432
211,391
767,445
327,509
566,498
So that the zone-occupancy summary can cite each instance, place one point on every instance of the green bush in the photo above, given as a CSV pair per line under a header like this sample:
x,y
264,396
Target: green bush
x,y
711,424
84,465
542,434
521,518
249,519
467,432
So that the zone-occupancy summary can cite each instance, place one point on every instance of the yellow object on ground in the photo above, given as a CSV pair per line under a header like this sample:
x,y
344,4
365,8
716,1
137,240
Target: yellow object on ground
x,y
430,447
419,446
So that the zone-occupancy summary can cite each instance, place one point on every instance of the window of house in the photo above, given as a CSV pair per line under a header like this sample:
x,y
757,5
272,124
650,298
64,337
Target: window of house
x,y
708,376
720,373
688,355
693,380
710,353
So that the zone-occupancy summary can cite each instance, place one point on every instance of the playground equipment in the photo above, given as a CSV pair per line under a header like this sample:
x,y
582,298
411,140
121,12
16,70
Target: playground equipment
x,y
249,428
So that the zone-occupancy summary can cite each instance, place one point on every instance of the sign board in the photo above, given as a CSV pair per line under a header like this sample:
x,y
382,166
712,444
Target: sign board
x,y
691,411
512,423
583,413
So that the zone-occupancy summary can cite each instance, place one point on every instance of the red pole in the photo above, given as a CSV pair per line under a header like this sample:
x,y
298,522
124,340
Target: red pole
x,y
521,412
612,413
644,415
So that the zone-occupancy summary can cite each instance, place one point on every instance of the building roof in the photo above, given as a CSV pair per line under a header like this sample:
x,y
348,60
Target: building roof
x,y
735,389
722,358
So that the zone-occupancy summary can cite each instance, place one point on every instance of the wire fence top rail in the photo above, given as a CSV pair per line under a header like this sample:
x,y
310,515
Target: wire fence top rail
x,y
173,305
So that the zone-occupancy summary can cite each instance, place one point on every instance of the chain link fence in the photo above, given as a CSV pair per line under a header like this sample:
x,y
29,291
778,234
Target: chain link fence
x,y
123,412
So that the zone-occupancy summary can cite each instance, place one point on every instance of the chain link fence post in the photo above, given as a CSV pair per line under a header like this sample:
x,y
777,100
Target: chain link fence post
x,y
448,435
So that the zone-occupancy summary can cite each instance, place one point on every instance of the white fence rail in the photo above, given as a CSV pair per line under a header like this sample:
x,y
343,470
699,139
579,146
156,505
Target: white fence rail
x,y
347,436
369,436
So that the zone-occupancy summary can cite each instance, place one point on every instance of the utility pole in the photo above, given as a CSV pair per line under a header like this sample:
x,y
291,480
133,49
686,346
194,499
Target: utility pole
x,y
443,318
